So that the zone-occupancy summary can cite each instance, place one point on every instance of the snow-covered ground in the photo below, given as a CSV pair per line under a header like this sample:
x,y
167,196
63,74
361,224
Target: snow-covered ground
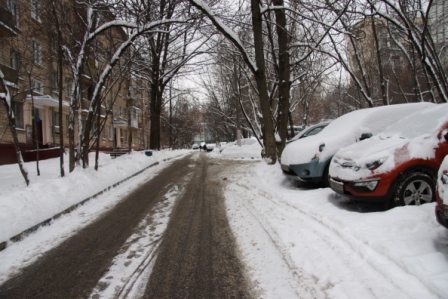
x,y
296,242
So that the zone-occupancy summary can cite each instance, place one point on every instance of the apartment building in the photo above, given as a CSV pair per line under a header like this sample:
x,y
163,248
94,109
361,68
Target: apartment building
x,y
438,24
29,60
397,72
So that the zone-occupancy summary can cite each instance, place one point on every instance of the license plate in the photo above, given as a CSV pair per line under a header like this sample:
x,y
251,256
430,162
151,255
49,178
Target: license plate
x,y
337,186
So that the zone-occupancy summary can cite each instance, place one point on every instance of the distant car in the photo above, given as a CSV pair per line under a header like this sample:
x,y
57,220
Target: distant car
x,y
195,146
202,145
399,166
210,146
308,159
442,194
310,131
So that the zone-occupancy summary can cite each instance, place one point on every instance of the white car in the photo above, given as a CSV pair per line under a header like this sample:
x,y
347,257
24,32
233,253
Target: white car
x,y
210,146
308,159
442,194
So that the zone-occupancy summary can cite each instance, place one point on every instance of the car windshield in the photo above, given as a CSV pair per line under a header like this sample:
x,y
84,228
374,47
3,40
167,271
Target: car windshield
x,y
418,123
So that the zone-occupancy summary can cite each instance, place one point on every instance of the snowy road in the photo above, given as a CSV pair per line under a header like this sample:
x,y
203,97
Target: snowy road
x,y
169,238
294,242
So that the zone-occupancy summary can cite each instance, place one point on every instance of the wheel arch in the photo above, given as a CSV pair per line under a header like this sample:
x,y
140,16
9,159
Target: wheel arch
x,y
405,172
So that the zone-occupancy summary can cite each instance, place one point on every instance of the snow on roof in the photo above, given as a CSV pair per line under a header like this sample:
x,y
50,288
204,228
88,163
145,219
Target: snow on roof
x,y
346,130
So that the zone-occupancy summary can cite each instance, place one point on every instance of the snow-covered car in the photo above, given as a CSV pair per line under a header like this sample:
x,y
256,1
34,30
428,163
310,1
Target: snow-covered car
x,y
310,131
308,159
195,146
210,146
442,194
398,166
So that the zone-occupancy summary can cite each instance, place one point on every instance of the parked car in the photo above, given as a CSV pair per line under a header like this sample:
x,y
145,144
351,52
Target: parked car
x,y
442,194
195,146
310,131
308,159
397,167
210,146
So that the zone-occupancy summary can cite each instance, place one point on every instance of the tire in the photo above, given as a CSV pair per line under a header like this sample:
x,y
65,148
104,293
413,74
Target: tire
x,y
325,177
414,189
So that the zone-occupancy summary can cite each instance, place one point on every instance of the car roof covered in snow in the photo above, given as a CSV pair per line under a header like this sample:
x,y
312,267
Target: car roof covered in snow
x,y
346,130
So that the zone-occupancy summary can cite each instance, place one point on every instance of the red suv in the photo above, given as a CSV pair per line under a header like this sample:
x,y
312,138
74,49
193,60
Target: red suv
x,y
442,194
397,167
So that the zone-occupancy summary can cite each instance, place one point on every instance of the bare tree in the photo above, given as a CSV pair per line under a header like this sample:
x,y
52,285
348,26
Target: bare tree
x,y
5,98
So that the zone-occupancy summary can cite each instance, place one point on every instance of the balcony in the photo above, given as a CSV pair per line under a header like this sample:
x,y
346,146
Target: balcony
x,y
11,75
8,23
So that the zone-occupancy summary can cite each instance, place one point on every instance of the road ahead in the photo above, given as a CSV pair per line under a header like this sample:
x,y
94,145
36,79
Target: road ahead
x,y
195,257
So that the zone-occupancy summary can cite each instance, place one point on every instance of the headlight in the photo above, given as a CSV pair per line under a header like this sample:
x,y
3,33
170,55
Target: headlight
x,y
371,185
375,164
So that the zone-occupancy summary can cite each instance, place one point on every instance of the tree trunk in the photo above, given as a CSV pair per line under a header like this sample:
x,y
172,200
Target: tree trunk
x,y
12,127
270,153
156,109
380,64
283,76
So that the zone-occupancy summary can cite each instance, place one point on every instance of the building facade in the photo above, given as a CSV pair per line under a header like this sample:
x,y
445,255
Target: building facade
x,y
29,61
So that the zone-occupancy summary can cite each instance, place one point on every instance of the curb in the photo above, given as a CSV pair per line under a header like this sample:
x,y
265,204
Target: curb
x,y
48,221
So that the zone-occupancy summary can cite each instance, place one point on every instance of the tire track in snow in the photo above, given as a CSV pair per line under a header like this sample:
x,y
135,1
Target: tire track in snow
x,y
347,253
130,270
386,269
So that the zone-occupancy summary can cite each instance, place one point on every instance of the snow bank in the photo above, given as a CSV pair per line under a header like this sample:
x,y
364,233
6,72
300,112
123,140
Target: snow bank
x,y
249,149
308,243
22,207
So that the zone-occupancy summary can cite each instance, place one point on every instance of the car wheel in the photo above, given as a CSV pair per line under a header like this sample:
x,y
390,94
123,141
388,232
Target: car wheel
x,y
325,177
415,189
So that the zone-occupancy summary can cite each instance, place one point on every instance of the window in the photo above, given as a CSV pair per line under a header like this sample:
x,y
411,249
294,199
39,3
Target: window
x,y
120,112
94,131
13,7
37,52
56,126
35,9
15,60
56,118
103,133
123,135
17,108
68,87
67,124
54,81
38,87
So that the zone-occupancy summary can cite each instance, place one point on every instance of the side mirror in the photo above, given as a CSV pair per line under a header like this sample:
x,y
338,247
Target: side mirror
x,y
365,136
